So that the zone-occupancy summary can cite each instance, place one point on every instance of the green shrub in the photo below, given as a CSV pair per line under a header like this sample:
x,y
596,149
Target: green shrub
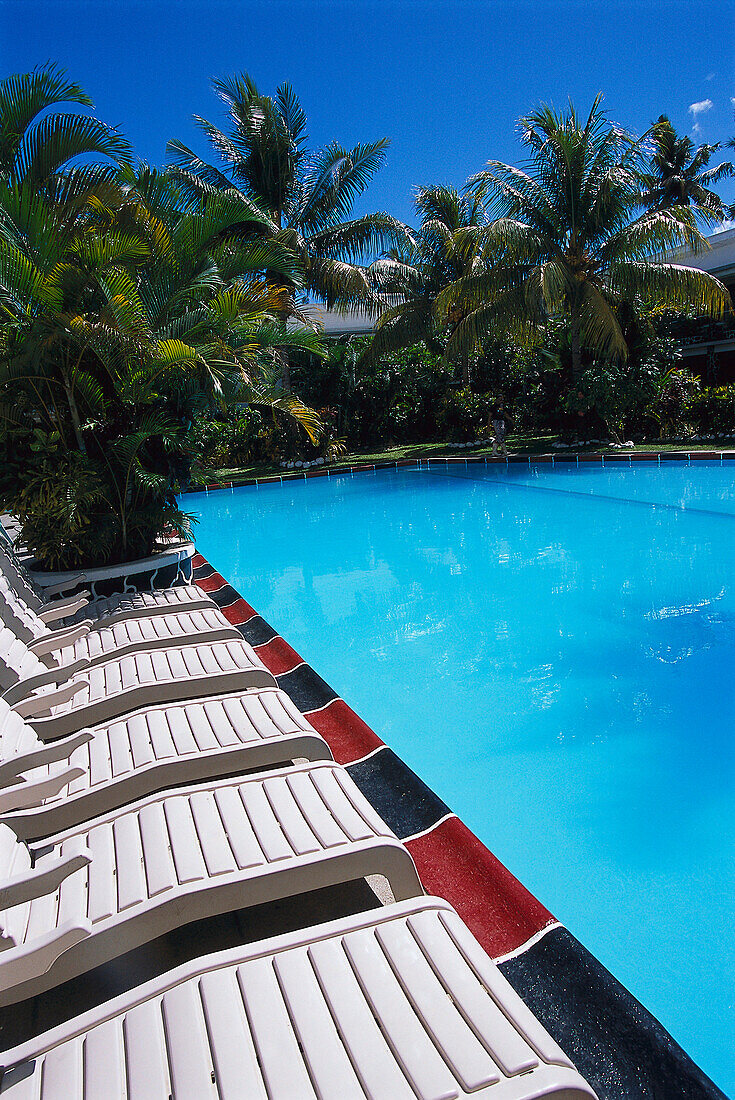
x,y
463,415
712,410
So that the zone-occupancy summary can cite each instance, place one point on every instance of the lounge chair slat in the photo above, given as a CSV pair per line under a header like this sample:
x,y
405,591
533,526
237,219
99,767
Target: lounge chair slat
x,y
131,884
231,1044
290,816
189,1055
507,1047
63,1071
329,1066
145,1051
211,834
78,784
214,728
187,854
328,826
270,710
248,852
158,861
373,1060
410,1043
177,666
267,831
171,731
105,1072
102,901
108,756
74,890
280,1058
500,990
135,670
136,730
357,816
469,1060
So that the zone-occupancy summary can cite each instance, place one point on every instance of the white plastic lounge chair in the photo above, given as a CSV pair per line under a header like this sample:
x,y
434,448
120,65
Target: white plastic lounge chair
x,y
104,610
99,890
62,647
47,788
397,1003
59,701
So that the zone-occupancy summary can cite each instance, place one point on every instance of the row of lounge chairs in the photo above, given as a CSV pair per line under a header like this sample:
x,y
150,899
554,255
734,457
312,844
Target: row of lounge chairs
x,y
153,774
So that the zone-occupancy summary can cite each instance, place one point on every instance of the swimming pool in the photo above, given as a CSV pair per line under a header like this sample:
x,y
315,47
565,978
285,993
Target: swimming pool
x,y
552,650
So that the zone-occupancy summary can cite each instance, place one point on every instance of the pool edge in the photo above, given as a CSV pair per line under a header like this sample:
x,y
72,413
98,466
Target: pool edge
x,y
421,463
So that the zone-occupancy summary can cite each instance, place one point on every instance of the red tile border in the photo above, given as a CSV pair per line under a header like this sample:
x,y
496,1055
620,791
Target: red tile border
x,y
238,612
213,583
278,656
348,736
500,912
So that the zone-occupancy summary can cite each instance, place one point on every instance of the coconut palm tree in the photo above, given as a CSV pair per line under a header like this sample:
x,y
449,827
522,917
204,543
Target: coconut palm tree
x,y
443,250
305,197
678,174
565,241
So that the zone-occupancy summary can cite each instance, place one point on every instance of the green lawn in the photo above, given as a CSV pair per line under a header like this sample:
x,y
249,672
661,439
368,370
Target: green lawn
x,y
520,443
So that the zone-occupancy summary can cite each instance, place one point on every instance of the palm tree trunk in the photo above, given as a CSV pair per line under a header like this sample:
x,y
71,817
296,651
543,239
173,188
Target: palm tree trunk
x,y
74,411
285,373
576,346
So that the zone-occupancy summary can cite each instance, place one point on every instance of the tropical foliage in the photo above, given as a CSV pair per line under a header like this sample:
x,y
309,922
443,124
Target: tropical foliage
x,y
127,308
444,250
564,240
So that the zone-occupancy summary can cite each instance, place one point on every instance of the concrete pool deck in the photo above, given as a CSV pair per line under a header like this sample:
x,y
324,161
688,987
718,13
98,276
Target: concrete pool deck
x,y
620,1048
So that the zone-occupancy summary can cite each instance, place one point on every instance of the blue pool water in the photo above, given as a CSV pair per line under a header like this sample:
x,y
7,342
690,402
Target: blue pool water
x,y
552,650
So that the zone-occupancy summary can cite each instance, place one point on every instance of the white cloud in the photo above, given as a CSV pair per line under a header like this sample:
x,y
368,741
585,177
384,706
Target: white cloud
x,y
696,128
700,108
732,100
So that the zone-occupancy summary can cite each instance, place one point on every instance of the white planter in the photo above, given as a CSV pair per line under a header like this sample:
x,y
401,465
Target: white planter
x,y
164,569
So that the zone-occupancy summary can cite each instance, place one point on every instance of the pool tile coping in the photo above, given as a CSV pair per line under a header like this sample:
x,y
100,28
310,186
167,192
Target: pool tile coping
x,y
425,463
620,1047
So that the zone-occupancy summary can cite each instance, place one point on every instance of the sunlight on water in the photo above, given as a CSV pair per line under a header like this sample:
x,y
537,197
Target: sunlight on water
x,y
552,650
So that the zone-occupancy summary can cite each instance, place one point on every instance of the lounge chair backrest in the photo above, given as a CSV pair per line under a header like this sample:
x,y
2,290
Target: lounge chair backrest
x,y
18,578
15,733
16,660
16,614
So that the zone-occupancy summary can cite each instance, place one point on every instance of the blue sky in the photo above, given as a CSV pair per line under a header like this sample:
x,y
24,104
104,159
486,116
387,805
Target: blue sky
x,y
446,80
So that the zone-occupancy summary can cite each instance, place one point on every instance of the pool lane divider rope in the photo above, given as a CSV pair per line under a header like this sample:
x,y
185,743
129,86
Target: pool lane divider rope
x,y
622,1050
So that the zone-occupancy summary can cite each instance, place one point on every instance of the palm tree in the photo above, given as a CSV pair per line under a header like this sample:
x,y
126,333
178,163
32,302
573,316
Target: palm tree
x,y
35,152
443,250
678,174
565,241
305,198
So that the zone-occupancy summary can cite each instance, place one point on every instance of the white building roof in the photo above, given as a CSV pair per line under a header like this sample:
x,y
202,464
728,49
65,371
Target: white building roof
x,y
341,324
718,259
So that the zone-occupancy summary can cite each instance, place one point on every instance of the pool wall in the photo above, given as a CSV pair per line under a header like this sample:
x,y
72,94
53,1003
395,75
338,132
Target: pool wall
x,y
621,1049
